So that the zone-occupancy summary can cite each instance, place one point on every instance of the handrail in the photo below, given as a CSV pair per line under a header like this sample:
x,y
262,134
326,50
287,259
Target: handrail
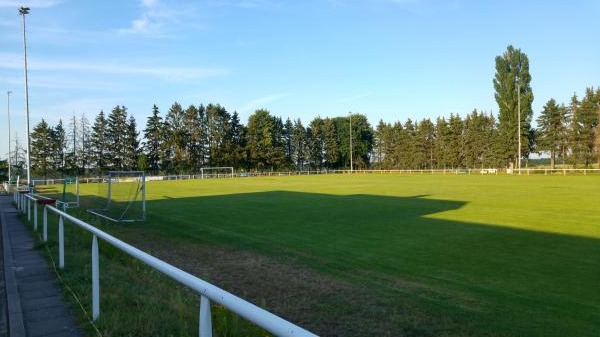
x,y
486,170
207,291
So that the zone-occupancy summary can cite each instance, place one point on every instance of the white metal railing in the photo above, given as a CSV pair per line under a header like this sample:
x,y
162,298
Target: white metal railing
x,y
527,171
207,291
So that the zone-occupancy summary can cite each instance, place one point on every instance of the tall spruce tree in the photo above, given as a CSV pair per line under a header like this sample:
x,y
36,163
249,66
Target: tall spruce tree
x,y
425,144
385,133
42,149
176,138
442,143
132,145
315,140
153,135
219,132
99,144
299,145
195,145
455,141
288,143
584,127
117,136
59,142
552,130
238,137
405,147
511,82
331,144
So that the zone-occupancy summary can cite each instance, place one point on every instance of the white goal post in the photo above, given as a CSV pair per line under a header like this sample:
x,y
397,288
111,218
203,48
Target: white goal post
x,y
124,197
216,172
64,190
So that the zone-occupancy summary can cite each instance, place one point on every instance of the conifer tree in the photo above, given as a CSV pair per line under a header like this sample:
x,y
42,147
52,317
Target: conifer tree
x,y
99,144
552,130
42,149
59,144
153,135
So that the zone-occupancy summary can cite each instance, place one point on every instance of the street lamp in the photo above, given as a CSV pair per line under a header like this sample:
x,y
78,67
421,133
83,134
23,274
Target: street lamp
x,y
519,123
519,115
351,167
8,112
23,11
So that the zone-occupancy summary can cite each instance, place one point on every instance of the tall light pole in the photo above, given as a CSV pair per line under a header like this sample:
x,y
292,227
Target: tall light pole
x,y
351,152
519,123
23,11
8,112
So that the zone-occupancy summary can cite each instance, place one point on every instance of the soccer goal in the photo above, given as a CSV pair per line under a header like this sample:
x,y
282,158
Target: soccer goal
x,y
65,191
216,172
125,197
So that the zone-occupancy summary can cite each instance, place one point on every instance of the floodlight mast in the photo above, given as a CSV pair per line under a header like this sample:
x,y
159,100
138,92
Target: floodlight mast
x,y
8,112
24,11
519,123
351,152
519,116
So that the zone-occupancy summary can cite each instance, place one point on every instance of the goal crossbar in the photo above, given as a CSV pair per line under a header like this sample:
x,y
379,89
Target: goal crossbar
x,y
119,177
221,172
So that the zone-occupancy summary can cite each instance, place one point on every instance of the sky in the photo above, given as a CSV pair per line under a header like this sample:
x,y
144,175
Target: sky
x,y
388,59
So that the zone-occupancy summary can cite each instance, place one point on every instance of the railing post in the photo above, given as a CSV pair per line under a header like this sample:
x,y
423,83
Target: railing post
x,y
95,280
61,242
28,209
45,235
35,216
205,328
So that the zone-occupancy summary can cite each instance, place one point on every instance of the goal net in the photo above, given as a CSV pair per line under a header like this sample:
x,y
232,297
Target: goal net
x,y
65,191
216,172
122,197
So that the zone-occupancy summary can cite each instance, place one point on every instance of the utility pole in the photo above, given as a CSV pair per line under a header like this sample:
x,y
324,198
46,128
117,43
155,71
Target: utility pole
x,y
351,152
519,123
8,112
24,11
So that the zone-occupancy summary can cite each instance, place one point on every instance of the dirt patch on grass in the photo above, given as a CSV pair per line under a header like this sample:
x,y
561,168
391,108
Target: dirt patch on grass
x,y
323,304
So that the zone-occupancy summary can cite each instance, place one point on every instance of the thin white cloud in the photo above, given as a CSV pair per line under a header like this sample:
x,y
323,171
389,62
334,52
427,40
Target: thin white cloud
x,y
13,61
157,19
258,103
30,3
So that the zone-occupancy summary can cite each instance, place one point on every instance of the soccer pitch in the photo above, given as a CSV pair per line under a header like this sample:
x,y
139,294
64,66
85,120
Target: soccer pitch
x,y
446,254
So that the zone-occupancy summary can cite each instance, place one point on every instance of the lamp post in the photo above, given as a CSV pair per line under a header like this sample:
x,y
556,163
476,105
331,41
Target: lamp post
x,y
519,123
519,68
351,152
23,11
8,112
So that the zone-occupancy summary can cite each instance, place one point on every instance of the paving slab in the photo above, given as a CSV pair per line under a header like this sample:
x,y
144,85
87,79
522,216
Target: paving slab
x,y
35,306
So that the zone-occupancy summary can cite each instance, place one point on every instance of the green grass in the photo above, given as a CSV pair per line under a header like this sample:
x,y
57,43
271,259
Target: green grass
x,y
473,255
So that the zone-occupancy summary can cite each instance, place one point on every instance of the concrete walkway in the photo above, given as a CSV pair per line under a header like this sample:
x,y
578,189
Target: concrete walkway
x,y
34,300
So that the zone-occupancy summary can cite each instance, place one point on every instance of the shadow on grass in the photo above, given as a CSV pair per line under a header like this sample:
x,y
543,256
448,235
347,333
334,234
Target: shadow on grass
x,y
513,279
491,279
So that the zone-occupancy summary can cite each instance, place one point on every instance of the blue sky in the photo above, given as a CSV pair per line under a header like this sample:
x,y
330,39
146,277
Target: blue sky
x,y
388,59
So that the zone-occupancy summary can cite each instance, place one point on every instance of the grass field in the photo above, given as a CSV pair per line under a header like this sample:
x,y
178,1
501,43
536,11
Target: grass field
x,y
422,254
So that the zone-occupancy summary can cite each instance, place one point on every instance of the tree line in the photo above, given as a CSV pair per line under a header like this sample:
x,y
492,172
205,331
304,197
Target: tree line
x,y
186,139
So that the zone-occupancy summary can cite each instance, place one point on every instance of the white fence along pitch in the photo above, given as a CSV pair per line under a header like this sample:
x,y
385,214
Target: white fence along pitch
x,y
208,292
